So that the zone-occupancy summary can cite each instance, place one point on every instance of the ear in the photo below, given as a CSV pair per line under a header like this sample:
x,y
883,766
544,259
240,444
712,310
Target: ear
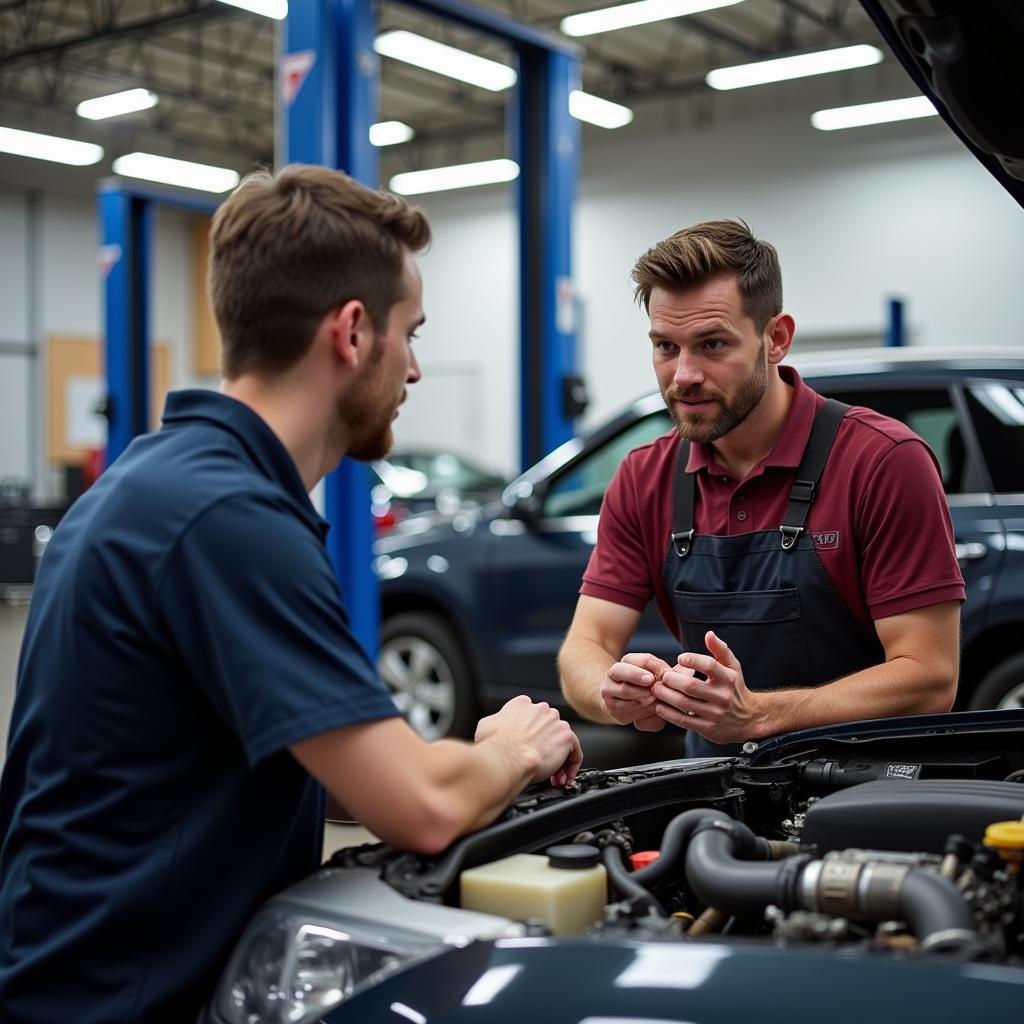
x,y
778,334
350,332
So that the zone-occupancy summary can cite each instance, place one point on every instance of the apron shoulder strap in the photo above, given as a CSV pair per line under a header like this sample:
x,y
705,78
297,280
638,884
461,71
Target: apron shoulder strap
x,y
682,503
812,465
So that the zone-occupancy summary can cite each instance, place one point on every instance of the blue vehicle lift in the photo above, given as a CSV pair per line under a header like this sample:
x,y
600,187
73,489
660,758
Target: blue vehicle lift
x,y
127,211
328,46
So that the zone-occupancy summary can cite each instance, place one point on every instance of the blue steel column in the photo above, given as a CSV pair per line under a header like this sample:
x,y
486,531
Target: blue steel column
x,y
895,329
328,122
126,228
546,144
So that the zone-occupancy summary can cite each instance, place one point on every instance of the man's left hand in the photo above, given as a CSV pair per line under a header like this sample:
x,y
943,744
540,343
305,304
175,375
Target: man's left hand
x,y
719,708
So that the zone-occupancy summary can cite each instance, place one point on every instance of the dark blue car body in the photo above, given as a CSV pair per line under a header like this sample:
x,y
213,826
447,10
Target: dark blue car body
x,y
497,587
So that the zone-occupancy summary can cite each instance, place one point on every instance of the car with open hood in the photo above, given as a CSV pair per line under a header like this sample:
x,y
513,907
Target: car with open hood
x,y
865,871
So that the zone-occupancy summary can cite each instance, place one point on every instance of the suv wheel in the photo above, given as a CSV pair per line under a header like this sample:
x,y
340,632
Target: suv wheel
x,y
1002,687
422,664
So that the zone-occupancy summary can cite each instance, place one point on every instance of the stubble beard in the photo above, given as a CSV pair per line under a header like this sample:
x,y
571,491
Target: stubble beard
x,y
697,428
364,416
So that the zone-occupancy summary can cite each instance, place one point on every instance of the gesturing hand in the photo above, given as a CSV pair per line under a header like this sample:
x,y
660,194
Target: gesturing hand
x,y
626,690
720,708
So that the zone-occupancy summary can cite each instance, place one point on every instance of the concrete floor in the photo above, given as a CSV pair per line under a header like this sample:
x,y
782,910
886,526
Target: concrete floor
x,y
604,747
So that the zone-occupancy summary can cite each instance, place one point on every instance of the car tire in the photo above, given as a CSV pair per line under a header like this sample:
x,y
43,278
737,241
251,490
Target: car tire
x,y
426,670
1002,687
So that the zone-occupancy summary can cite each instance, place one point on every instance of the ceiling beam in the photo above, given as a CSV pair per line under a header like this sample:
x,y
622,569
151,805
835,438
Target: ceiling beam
x,y
190,14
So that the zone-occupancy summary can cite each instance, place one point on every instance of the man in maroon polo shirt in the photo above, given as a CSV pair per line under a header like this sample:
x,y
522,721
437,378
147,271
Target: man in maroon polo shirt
x,y
801,551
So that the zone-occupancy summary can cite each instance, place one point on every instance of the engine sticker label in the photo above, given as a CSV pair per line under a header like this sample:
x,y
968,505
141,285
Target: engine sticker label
x,y
901,770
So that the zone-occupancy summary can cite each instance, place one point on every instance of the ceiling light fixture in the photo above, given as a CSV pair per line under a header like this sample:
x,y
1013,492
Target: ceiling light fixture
x,y
276,9
609,19
49,147
445,60
183,173
595,110
390,133
116,104
803,65
873,113
441,179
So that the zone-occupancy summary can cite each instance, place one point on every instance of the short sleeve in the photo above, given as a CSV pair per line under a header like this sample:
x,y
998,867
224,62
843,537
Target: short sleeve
x,y
906,535
252,607
618,567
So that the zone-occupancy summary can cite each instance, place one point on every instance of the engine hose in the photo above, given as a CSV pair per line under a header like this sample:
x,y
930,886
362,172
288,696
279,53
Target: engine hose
x,y
740,887
937,913
932,906
676,841
624,883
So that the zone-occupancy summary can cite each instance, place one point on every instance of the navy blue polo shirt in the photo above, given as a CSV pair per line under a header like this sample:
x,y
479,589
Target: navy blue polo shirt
x,y
185,629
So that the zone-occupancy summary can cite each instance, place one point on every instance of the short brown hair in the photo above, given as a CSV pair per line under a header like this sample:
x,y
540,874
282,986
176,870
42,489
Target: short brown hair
x,y
286,249
691,256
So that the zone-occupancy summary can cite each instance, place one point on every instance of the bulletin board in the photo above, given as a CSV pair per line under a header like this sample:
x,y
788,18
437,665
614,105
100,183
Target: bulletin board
x,y
205,336
75,382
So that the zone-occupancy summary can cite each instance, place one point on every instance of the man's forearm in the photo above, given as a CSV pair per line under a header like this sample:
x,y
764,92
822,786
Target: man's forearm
x,y
582,665
902,686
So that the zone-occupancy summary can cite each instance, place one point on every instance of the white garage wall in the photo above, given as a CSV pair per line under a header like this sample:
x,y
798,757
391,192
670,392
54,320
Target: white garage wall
x,y
858,217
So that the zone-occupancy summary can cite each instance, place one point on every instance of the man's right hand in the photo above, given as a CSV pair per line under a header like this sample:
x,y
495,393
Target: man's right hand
x,y
626,690
541,728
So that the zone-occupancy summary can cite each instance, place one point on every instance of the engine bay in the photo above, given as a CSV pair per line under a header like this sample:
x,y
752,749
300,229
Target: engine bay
x,y
904,844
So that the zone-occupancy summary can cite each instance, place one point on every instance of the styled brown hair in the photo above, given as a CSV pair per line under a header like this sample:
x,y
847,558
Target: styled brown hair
x,y
691,256
286,249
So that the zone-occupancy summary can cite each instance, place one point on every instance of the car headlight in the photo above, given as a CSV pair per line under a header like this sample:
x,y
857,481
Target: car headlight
x,y
289,970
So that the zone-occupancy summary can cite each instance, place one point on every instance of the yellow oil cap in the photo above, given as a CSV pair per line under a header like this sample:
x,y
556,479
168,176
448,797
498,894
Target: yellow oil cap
x,y
1007,839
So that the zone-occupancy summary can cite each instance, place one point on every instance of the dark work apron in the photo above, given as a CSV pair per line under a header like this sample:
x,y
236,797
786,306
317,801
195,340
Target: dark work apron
x,y
766,594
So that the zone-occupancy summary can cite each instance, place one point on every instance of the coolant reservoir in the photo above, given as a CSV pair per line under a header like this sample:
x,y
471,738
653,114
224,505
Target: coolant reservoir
x,y
566,888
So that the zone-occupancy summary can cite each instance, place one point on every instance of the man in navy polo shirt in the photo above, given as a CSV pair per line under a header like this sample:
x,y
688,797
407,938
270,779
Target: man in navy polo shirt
x,y
188,675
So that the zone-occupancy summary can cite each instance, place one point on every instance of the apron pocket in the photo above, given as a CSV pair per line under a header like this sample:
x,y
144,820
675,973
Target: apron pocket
x,y
764,628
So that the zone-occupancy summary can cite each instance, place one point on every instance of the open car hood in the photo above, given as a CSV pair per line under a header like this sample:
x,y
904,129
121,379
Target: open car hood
x,y
965,56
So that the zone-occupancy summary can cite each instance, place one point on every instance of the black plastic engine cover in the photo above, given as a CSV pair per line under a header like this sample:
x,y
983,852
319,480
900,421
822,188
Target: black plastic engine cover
x,y
915,817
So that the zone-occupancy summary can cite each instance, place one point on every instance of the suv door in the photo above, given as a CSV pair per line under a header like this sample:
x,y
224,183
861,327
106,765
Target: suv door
x,y
534,571
935,409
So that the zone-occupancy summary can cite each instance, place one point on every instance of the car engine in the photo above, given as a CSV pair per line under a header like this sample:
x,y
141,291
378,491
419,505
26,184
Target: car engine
x,y
876,845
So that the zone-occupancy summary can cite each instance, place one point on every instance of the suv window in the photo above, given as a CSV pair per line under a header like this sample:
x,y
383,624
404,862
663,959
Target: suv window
x,y
580,490
998,415
930,414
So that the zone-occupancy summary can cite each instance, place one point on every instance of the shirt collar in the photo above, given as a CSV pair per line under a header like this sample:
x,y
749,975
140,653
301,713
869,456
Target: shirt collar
x,y
264,447
789,448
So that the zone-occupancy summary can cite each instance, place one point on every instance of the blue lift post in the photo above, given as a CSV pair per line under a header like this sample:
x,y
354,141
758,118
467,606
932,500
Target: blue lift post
x,y
328,46
896,330
127,212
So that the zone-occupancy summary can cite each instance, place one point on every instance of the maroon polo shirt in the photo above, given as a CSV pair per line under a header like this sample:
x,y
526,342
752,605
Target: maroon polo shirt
x,y
880,522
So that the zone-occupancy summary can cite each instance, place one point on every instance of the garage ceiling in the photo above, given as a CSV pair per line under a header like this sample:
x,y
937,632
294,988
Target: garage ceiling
x,y
212,65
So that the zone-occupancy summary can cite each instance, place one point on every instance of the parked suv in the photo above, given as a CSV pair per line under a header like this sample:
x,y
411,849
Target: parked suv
x,y
476,605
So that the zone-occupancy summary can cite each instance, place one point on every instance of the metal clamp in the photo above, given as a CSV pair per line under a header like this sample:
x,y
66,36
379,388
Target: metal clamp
x,y
682,542
790,534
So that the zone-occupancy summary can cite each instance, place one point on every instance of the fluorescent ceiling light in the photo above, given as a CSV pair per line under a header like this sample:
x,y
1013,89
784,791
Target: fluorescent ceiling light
x,y
441,179
821,63
445,60
873,113
176,172
608,19
49,147
276,9
116,103
390,133
595,110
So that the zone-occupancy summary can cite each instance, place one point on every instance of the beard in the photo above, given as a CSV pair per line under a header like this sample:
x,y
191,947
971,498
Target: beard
x,y
703,428
364,415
